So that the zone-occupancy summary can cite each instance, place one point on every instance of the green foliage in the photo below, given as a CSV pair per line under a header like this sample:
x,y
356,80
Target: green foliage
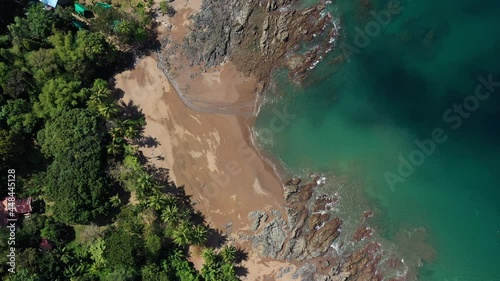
x,y
152,245
130,221
9,147
73,134
14,82
27,260
29,234
188,233
54,231
31,32
18,116
183,269
128,28
82,55
96,251
153,272
115,201
23,275
55,100
75,180
123,249
217,267
44,65
50,266
166,8
228,254
59,95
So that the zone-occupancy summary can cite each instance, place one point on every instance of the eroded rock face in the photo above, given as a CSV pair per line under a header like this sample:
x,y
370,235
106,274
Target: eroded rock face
x,y
323,235
362,264
215,29
308,231
259,36
271,239
258,218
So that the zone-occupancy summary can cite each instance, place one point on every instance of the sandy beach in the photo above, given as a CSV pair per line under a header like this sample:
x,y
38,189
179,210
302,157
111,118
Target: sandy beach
x,y
204,139
210,155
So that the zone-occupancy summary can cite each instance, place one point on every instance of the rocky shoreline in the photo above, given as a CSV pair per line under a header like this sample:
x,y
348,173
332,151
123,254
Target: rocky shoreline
x,y
260,36
306,234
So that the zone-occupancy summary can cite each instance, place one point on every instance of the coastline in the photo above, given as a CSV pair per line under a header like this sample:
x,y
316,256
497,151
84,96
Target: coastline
x,y
222,138
181,134
200,126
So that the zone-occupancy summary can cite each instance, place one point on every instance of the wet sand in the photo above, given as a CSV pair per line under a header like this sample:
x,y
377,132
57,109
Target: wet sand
x,y
209,154
204,139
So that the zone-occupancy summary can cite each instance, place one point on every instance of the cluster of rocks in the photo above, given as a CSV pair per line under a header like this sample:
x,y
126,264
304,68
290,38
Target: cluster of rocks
x,y
259,36
306,233
214,28
303,233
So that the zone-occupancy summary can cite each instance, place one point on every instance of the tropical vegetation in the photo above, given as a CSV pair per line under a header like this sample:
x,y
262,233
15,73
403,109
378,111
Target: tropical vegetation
x,y
106,213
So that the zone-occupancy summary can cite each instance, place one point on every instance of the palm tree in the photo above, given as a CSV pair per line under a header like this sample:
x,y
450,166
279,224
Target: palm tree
x,y
124,27
115,201
99,94
66,255
71,271
107,109
228,254
170,214
114,148
144,181
210,267
199,235
116,133
181,234
209,256
131,129
156,201
228,273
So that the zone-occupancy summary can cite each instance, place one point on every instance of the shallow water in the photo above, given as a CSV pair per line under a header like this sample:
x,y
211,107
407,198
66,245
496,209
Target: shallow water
x,y
359,118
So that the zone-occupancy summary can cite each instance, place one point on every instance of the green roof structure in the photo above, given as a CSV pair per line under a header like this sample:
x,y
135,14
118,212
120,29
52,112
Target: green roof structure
x,y
80,9
78,24
104,5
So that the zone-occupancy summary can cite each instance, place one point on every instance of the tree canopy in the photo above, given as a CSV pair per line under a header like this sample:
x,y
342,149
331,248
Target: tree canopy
x,y
75,179
76,152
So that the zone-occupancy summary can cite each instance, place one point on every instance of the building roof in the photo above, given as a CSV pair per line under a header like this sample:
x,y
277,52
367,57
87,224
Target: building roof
x,y
45,245
23,206
52,3
4,212
80,8
104,5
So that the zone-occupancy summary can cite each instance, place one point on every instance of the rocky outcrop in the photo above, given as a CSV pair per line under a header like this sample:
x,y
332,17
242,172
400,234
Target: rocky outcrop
x,y
214,30
307,234
271,239
362,264
259,36
323,232
258,218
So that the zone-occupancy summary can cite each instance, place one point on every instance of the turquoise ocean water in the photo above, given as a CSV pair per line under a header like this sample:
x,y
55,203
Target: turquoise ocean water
x,y
354,120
